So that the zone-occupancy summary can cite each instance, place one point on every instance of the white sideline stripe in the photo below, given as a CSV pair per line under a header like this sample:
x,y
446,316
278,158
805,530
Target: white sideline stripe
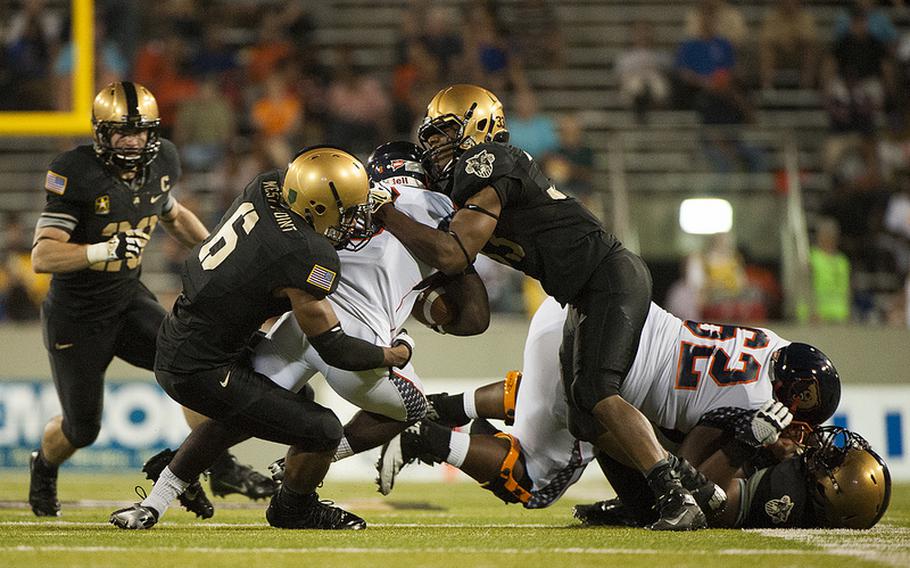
x,y
203,525
888,545
459,549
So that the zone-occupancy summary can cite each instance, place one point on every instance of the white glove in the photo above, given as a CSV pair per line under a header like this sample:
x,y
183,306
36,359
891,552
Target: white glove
x,y
122,246
379,196
404,339
767,424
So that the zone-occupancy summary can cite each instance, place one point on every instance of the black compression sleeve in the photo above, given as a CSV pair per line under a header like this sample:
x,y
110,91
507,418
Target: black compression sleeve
x,y
340,350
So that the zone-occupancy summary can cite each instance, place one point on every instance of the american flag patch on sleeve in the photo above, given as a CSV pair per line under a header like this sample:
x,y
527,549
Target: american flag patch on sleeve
x,y
55,182
321,277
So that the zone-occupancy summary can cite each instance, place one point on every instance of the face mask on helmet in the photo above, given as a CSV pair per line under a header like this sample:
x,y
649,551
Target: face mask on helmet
x,y
127,109
849,483
329,188
458,118
397,159
804,379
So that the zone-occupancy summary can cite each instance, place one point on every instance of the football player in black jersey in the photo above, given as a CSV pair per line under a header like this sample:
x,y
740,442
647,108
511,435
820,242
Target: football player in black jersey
x,y
103,202
274,251
512,213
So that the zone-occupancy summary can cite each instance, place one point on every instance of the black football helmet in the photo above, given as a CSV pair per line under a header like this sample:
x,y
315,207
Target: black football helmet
x,y
806,381
125,107
849,483
397,159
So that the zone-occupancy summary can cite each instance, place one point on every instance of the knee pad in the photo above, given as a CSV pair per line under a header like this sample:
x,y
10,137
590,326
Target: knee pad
x,y
510,395
505,486
81,435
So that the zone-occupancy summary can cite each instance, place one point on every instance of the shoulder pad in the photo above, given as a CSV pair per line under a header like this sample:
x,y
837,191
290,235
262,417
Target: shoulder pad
x,y
169,158
67,172
480,167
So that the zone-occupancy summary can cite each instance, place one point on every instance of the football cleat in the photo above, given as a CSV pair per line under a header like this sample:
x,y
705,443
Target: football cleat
x,y
242,479
135,517
276,468
310,513
678,512
401,450
42,489
605,513
193,499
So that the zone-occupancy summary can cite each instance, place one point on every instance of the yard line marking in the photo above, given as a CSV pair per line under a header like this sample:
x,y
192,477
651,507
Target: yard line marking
x,y
198,525
886,544
460,550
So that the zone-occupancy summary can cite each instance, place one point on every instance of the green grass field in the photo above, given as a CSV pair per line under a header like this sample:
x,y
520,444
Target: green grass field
x,y
452,525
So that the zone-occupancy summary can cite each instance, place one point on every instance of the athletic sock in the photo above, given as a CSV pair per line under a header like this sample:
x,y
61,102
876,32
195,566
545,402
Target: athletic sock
x,y
449,408
166,489
470,405
458,448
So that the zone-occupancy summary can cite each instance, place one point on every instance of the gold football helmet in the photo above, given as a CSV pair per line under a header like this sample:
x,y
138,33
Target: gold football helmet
x,y
464,115
850,483
125,107
329,188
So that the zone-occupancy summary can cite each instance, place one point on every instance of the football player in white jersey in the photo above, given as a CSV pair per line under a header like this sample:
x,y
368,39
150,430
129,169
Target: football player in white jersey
x,y
378,286
683,372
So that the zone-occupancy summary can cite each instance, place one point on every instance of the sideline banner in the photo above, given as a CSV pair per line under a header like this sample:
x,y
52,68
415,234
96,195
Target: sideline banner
x,y
139,419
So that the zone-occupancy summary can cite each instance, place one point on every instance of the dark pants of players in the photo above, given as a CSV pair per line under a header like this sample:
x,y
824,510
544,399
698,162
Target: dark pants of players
x,y
81,351
601,335
248,402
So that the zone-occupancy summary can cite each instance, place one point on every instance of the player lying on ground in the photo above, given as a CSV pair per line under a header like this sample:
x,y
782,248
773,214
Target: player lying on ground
x,y
376,291
834,480
274,251
103,202
682,372
511,212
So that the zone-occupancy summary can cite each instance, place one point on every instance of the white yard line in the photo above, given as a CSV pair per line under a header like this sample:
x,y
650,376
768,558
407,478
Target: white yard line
x,y
885,544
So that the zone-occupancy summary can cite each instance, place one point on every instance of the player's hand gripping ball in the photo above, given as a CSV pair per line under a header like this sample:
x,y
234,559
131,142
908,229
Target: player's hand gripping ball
x,y
432,307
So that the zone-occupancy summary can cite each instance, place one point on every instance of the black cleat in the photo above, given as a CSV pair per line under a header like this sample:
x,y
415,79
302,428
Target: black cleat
x,y
242,479
135,517
606,513
193,499
678,512
310,513
42,488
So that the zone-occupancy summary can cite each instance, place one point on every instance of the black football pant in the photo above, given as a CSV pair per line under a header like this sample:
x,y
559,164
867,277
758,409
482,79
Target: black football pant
x,y
81,351
601,336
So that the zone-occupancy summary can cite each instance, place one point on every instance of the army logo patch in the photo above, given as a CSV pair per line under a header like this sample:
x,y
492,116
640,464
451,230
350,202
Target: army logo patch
x,y
779,509
103,205
321,277
481,165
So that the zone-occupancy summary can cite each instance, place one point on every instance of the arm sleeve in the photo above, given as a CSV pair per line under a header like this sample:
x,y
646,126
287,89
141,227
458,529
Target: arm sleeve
x,y
342,351
62,209
314,273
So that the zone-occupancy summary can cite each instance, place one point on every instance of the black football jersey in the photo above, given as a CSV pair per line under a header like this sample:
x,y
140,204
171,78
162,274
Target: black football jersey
x,y
778,497
541,232
89,201
230,279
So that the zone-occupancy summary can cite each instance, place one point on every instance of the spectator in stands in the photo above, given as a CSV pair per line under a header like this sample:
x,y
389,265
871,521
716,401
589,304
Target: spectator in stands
x,y
204,128
414,82
442,40
110,63
277,115
31,42
789,40
685,297
877,22
725,279
163,66
642,71
488,59
535,32
21,288
858,76
530,129
571,165
359,110
272,47
830,275
729,21
214,56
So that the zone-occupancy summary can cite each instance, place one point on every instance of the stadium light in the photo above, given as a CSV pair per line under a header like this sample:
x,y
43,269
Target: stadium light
x,y
705,216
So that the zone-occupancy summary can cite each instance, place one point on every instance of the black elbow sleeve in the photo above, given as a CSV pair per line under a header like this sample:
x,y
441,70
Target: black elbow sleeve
x,y
340,350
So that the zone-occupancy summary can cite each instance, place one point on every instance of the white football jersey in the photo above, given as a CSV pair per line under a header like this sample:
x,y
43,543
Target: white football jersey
x,y
376,285
684,369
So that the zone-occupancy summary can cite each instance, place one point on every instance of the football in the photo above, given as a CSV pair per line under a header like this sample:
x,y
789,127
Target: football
x,y
433,308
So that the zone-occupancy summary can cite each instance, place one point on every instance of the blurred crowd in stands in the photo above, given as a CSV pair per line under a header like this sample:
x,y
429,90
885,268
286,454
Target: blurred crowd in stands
x,y
240,89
